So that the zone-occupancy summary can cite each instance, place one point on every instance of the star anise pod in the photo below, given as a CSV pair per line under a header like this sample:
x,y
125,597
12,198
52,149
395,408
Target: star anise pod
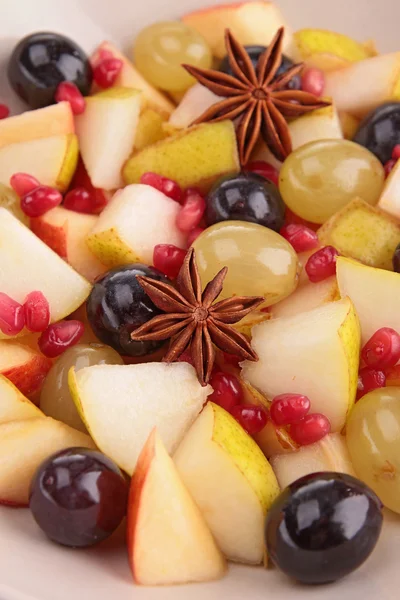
x,y
192,321
254,96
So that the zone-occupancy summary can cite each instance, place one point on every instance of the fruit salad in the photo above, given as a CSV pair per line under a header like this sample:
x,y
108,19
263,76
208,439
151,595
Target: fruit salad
x,y
200,248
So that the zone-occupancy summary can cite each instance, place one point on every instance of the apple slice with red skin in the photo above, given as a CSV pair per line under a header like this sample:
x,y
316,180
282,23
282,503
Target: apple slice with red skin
x,y
25,367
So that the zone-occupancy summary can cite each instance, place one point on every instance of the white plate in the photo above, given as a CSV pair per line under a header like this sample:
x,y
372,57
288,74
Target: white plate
x,y
31,568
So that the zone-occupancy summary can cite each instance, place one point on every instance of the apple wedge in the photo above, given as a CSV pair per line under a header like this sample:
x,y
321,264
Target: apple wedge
x,y
138,218
13,404
120,405
27,264
168,539
196,101
106,132
24,367
24,445
390,197
315,353
307,297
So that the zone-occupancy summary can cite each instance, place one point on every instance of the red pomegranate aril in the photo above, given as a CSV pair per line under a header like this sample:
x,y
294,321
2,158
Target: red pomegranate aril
x,y
227,390
369,380
60,336
289,409
231,359
300,237
311,429
81,179
80,200
12,317
396,152
388,166
40,201
37,312
168,259
194,234
106,72
191,213
4,111
383,349
313,81
169,187
186,357
68,92
261,167
22,183
322,264
253,419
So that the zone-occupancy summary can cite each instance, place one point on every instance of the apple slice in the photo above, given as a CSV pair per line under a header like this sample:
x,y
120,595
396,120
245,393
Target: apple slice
x,y
22,365
315,353
168,539
13,404
24,445
307,297
390,197
138,218
28,265
196,101
106,133
150,128
120,405
321,124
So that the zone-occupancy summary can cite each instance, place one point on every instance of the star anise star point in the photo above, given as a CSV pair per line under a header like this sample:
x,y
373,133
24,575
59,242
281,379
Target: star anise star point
x,y
258,99
193,319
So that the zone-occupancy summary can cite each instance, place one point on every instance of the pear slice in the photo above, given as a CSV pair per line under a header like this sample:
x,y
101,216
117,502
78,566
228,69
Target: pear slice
x,y
314,42
307,297
150,128
121,404
197,100
106,133
14,405
136,219
315,353
168,539
320,124
230,480
390,197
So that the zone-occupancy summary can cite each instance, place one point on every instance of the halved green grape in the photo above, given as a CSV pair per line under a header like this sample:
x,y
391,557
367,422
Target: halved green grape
x,y
10,201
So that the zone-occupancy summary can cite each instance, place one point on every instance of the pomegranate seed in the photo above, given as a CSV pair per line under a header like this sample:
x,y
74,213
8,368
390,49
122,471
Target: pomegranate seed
x,y
227,390
12,318
300,237
261,167
40,201
311,429
167,186
192,212
168,259
80,200
368,380
231,359
322,264
4,111
193,235
396,152
37,312
106,72
383,349
313,81
289,409
22,183
103,54
186,357
68,92
60,336
253,419
81,179
388,166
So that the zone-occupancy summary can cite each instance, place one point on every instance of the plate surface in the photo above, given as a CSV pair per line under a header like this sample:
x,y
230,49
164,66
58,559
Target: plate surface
x,y
31,568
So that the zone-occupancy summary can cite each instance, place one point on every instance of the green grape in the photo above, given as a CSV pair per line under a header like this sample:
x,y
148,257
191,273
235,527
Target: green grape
x,y
320,178
10,201
373,439
260,262
161,49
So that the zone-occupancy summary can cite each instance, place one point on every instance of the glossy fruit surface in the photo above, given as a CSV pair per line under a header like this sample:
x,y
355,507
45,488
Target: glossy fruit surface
x,y
380,130
117,305
260,262
40,200
287,409
78,497
10,201
245,197
55,397
310,429
41,61
313,81
169,187
253,419
106,72
373,439
168,259
68,92
322,527
162,48
227,390
302,238
322,264
192,211
369,380
12,317
263,168
23,183
37,312
60,336
321,177
383,349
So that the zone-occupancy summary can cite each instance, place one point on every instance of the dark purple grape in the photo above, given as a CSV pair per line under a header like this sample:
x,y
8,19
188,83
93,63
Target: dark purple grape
x,y
245,197
322,527
41,61
117,305
78,497
380,131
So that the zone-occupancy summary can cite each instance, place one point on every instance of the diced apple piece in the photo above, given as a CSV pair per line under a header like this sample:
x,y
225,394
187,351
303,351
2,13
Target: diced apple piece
x,y
22,365
121,404
253,23
209,151
314,353
106,132
65,232
321,124
138,218
168,539
349,125
364,85
196,101
27,265
363,232
329,454
312,43
307,297
24,445
13,404
150,128
390,197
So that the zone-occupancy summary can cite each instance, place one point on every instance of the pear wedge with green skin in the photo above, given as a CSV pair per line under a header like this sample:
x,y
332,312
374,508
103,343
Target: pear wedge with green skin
x,y
14,405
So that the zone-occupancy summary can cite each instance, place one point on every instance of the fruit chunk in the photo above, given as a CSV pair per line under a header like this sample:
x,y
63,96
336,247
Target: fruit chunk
x,y
307,297
161,508
27,265
149,129
106,133
24,445
210,151
362,232
390,197
230,480
349,125
314,353
120,405
196,101
13,404
138,218
24,366
318,125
